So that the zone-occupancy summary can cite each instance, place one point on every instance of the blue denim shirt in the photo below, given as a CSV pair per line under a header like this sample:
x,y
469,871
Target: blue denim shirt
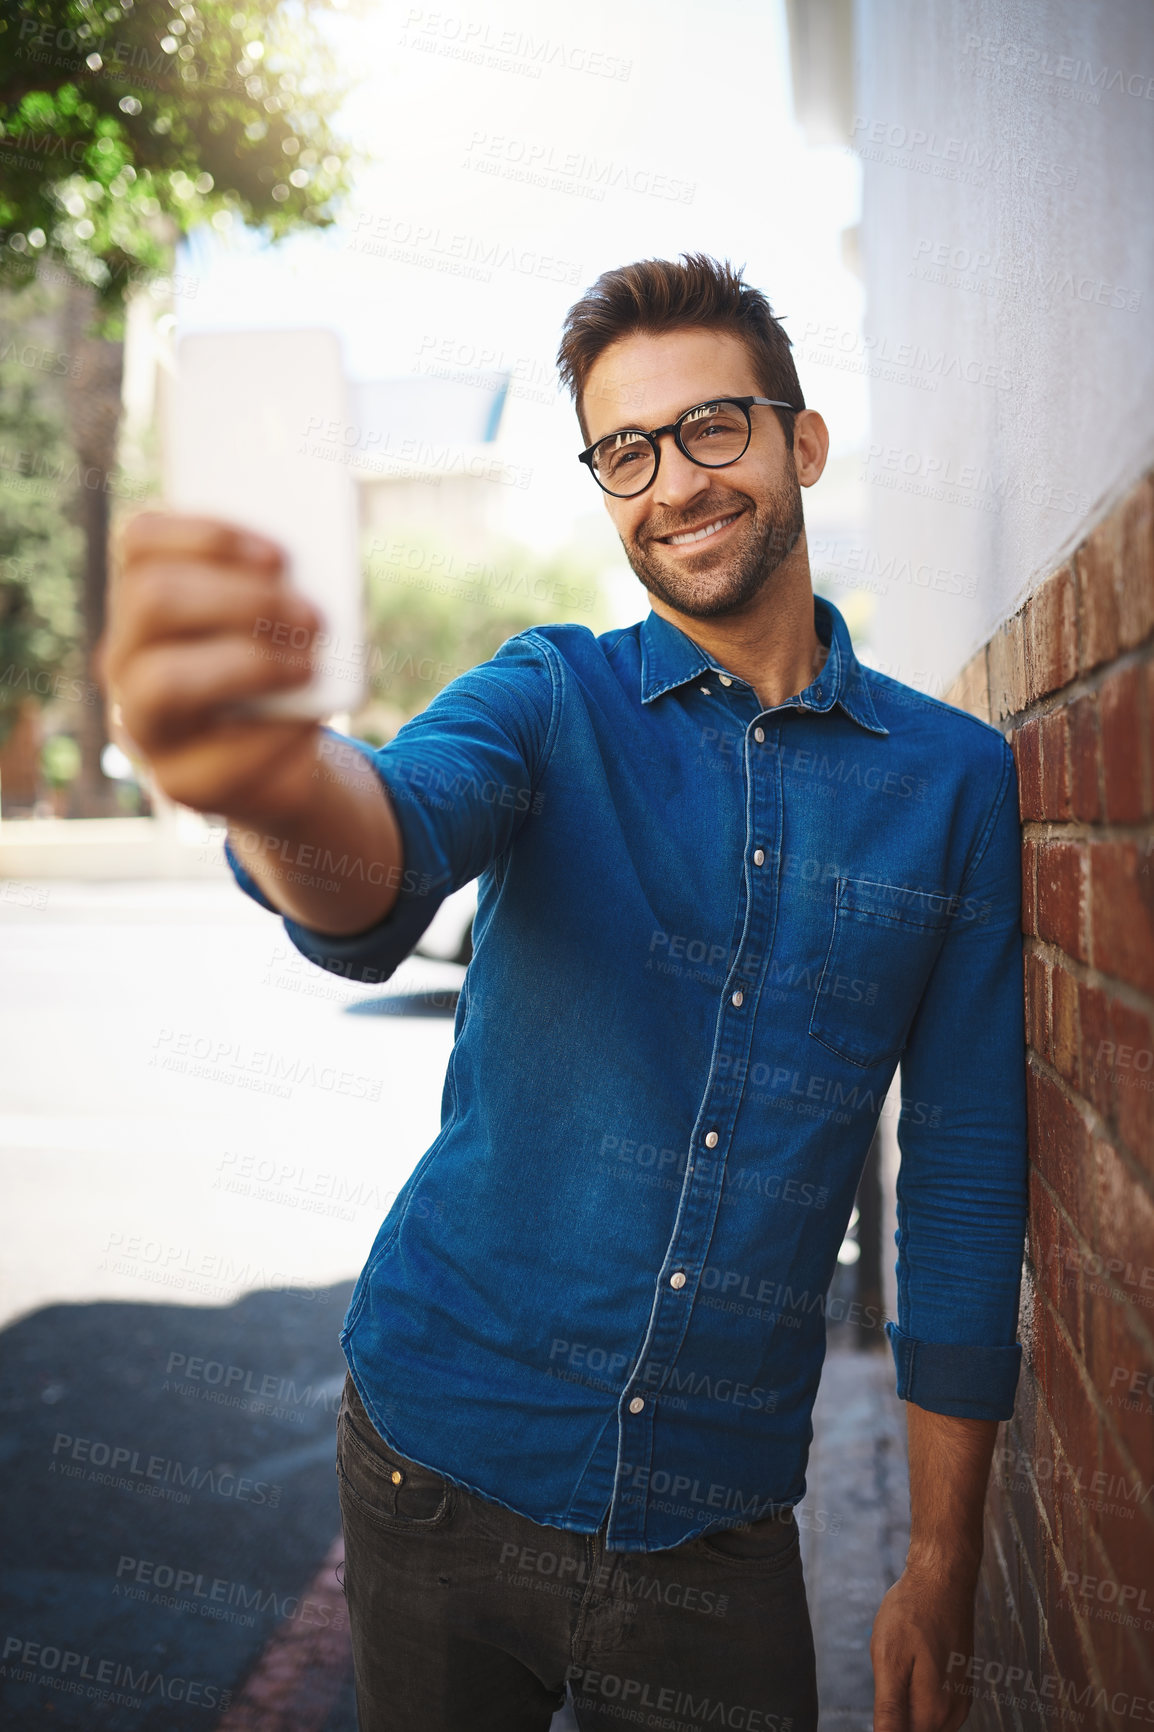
x,y
706,934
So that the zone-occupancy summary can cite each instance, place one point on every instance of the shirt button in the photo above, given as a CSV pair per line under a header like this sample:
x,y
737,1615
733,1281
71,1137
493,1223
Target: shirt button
x,y
711,1139
738,999
636,1405
706,690
759,856
725,679
759,735
677,1280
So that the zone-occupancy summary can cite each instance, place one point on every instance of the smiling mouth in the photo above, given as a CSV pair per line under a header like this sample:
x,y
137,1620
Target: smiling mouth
x,y
691,537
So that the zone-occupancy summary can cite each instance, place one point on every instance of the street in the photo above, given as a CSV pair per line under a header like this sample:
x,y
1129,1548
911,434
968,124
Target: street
x,y
216,1119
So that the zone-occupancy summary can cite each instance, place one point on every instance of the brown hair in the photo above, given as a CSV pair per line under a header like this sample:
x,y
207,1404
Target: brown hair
x,y
657,295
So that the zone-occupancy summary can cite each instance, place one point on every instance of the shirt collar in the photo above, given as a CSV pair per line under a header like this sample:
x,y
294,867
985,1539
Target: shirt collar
x,y
670,659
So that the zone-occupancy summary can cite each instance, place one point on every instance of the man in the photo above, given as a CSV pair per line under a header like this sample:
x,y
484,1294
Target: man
x,y
728,878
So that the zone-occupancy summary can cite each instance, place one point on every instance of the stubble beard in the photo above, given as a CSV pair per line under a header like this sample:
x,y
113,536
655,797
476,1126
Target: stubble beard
x,y
766,535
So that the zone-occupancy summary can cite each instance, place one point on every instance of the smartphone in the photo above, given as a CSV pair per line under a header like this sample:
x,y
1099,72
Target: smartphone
x,y
255,427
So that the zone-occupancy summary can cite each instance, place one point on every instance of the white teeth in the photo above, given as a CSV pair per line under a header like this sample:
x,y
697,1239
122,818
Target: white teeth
x,y
700,534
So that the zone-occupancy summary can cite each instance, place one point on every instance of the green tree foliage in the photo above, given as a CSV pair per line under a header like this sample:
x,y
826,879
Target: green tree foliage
x,y
39,544
124,123
433,611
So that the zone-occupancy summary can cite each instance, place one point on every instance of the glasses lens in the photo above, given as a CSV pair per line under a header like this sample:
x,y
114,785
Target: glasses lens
x,y
623,463
715,433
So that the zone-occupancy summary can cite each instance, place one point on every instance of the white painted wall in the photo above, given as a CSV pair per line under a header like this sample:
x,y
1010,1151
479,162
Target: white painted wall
x,y
1008,249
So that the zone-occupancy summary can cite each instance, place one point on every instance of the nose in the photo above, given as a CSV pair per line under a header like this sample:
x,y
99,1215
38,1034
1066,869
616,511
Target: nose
x,y
678,480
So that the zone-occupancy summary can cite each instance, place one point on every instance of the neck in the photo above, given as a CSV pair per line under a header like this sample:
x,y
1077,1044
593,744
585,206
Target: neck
x,y
772,643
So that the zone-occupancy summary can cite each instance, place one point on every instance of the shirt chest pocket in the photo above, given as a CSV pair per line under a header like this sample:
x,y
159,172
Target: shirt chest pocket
x,y
883,945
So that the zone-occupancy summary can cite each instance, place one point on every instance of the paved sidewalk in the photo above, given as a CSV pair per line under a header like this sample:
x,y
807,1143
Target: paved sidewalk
x,y
857,1470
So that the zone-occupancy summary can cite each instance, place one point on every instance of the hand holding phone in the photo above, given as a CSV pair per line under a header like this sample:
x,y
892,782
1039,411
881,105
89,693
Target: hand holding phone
x,y
255,434
178,660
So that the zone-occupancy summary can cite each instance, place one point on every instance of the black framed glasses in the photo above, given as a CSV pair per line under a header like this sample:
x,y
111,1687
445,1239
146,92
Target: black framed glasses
x,y
712,434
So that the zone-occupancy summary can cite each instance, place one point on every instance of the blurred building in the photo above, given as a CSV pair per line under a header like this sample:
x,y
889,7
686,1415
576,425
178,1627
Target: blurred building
x,y
430,454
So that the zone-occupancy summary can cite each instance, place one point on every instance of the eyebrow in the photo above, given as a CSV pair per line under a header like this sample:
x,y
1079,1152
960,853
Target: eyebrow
x,y
632,427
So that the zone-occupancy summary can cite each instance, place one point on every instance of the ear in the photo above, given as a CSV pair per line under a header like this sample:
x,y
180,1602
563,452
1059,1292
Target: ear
x,y
810,446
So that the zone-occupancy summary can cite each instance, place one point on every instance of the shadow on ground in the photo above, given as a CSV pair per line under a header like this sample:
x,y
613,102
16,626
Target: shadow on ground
x,y
170,1495
171,1499
441,1003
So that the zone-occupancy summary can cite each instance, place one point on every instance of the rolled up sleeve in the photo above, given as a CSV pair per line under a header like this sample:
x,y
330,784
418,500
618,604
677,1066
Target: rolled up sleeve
x,y
962,1181
463,776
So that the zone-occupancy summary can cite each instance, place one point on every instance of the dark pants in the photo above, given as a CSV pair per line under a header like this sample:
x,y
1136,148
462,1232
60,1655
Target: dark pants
x,y
468,1618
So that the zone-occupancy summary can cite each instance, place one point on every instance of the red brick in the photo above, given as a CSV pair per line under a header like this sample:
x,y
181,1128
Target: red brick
x,y
1060,1147
1042,1227
1064,1037
1070,1644
1040,1461
1117,1353
1036,1510
1077,1425
1148,810
1141,1654
971,689
1001,1586
1056,1256
1055,729
1062,888
1038,1003
1122,910
1120,707
1051,635
1127,1538
1132,1070
1114,1656
1129,1482
1127,1650
1073,1548
1096,1068
1027,748
1124,1204
1029,887
1027,1609
1001,1567
1007,670
1063,1509
1135,571
1095,566
1085,795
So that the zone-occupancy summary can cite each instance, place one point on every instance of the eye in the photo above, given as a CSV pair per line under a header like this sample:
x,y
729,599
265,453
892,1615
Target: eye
x,y
620,453
722,426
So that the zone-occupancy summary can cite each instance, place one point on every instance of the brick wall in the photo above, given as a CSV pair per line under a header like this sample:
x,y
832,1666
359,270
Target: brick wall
x,y
1067,1591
